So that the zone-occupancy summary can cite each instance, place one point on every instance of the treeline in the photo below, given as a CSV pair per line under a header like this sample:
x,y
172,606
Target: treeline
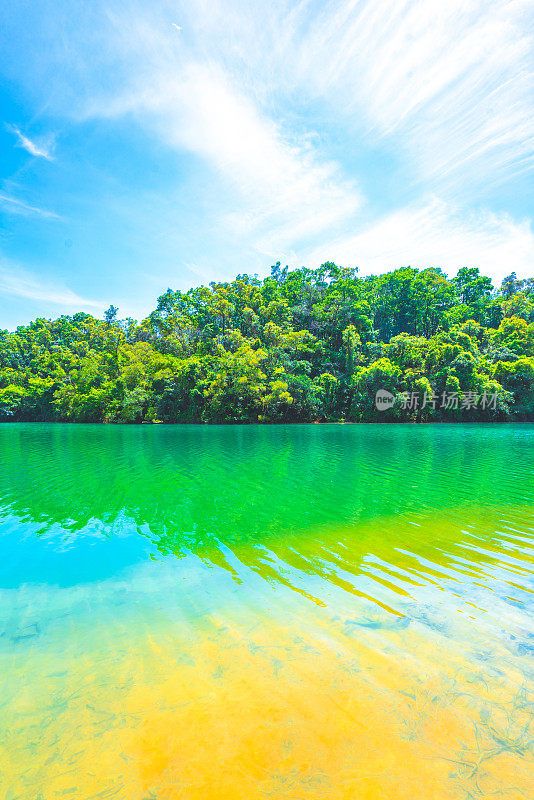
x,y
298,346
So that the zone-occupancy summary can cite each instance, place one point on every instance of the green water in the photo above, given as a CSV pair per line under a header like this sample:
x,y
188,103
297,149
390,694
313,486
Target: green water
x,y
218,580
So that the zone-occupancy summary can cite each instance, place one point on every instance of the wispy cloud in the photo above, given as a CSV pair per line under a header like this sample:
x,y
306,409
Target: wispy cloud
x,y
287,188
451,83
290,190
38,148
435,234
274,111
448,88
15,206
16,282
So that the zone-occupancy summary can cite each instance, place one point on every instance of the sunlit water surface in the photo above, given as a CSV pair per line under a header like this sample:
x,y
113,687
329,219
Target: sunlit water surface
x,y
266,612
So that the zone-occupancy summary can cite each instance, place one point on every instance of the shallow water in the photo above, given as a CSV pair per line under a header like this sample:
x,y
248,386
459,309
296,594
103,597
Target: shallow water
x,y
266,612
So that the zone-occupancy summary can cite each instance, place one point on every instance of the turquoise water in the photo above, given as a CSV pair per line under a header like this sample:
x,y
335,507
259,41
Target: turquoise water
x,y
288,611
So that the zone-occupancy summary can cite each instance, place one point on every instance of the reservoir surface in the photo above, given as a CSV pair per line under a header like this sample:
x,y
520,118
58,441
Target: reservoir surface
x,y
290,612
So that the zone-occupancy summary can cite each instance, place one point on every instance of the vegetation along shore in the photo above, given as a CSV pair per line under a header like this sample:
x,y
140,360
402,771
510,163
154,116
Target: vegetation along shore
x,y
298,346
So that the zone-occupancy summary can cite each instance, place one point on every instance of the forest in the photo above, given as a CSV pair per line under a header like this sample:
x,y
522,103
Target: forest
x,y
301,345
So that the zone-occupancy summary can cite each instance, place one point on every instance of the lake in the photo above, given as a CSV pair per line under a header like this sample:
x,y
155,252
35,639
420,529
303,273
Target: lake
x,y
307,611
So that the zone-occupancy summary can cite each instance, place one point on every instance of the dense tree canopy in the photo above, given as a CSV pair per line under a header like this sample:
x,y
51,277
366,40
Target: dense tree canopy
x,y
300,345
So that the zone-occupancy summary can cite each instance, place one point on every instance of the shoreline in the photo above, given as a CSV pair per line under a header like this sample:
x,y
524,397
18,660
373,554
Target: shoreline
x,y
270,424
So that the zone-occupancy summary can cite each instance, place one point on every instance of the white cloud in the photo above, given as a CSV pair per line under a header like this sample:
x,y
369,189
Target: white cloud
x,y
443,90
15,282
286,190
436,235
39,149
447,87
452,83
290,192
15,206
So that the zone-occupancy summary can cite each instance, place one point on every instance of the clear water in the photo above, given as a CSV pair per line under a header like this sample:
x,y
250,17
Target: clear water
x,y
316,611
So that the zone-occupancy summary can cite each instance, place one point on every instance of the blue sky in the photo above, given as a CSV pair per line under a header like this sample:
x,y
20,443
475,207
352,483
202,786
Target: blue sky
x,y
147,145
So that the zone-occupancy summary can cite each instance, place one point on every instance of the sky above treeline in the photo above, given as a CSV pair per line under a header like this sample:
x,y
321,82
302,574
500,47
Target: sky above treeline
x,y
147,145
